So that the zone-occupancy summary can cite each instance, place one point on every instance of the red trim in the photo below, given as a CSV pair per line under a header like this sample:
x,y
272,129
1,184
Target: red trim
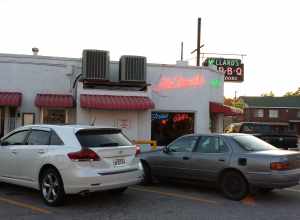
x,y
54,100
110,102
10,99
226,110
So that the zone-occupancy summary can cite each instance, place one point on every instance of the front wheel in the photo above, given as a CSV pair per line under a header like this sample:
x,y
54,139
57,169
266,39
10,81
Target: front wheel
x,y
51,187
234,186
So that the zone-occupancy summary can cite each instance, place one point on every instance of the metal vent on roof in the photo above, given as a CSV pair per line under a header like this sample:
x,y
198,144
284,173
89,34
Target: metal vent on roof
x,y
95,64
133,69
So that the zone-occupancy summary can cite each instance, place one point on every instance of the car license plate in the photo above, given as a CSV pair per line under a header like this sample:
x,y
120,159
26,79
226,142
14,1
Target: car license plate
x,y
119,162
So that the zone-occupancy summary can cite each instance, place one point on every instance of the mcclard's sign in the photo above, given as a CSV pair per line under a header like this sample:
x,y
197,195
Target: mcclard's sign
x,y
233,69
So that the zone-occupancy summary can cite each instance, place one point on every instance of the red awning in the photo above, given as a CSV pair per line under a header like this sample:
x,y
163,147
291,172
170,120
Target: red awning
x,y
54,100
110,102
10,98
226,110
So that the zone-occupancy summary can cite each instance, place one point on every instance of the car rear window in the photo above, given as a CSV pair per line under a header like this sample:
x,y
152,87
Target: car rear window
x,y
251,143
102,138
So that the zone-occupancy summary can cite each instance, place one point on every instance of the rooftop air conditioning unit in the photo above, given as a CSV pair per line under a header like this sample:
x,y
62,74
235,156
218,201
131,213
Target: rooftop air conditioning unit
x,y
133,69
95,64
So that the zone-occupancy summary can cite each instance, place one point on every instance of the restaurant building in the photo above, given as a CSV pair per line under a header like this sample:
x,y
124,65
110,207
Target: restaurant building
x,y
148,101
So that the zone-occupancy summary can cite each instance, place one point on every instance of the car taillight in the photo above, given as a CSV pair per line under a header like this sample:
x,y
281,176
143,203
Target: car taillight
x,y
137,150
279,166
84,155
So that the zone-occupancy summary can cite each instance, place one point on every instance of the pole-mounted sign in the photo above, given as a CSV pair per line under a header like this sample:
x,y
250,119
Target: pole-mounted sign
x,y
233,69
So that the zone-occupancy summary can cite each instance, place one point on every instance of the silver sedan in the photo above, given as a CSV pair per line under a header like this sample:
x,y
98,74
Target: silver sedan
x,y
236,162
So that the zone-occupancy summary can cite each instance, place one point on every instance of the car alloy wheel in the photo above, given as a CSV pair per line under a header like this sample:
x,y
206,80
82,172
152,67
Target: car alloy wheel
x,y
52,188
234,186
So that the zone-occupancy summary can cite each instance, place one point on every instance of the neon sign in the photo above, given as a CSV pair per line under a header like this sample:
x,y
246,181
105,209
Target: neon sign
x,y
233,69
180,117
215,83
178,82
159,116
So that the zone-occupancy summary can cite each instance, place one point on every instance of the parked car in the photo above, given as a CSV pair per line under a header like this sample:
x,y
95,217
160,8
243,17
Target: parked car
x,y
236,162
60,160
277,134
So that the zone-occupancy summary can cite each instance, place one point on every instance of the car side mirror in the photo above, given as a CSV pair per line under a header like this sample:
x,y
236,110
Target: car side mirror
x,y
166,150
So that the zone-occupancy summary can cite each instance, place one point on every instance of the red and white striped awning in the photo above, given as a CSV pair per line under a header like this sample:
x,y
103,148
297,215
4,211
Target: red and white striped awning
x,y
10,99
226,110
54,100
109,102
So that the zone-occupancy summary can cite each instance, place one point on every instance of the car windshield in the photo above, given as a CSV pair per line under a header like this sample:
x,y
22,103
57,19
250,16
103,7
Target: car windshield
x,y
251,143
102,138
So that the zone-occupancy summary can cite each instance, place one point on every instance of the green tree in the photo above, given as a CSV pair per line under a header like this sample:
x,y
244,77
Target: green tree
x,y
271,93
234,103
296,93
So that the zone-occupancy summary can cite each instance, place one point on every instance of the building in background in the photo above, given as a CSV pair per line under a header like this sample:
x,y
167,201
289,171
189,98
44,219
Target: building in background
x,y
158,101
273,109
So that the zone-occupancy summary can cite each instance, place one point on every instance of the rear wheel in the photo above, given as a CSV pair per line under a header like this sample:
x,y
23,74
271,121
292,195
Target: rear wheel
x,y
147,176
118,191
234,186
51,188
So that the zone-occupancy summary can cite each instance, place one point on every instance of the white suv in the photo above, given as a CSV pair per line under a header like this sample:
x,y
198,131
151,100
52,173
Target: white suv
x,y
59,160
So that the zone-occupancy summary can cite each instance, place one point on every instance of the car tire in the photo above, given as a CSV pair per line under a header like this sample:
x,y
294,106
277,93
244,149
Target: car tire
x,y
118,191
51,188
147,176
234,186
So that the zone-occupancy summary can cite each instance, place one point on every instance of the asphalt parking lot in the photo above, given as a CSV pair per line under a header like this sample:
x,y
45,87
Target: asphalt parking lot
x,y
160,201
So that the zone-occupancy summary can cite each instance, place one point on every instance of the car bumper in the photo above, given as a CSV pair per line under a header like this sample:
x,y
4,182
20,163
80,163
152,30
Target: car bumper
x,y
91,181
275,179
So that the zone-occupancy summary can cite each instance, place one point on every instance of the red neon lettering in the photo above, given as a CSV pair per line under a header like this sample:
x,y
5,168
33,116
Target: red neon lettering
x,y
239,71
229,71
178,82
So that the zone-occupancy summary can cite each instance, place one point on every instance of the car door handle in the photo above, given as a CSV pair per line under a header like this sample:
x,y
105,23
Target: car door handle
x,y
185,158
221,159
41,151
14,151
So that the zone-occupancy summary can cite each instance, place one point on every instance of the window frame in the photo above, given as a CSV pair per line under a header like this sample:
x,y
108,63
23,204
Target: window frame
x,y
27,114
256,113
274,110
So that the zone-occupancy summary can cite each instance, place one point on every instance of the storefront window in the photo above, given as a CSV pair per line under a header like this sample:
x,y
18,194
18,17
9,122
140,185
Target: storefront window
x,y
54,116
28,119
167,126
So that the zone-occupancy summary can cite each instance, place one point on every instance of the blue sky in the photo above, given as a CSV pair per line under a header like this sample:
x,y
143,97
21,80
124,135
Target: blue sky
x,y
267,31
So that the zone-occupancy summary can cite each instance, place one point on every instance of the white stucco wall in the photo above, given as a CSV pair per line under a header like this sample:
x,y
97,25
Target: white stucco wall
x,y
190,99
37,74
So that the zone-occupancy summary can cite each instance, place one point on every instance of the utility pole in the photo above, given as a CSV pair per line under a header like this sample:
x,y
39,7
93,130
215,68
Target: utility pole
x,y
198,41
199,46
181,51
